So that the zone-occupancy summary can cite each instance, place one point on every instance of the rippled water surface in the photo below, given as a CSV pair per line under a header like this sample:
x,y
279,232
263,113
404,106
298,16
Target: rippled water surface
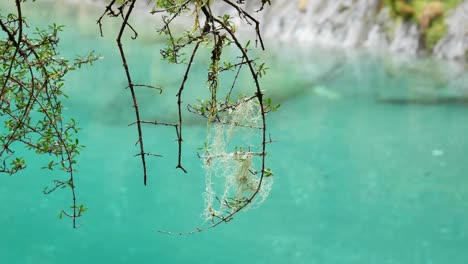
x,y
370,164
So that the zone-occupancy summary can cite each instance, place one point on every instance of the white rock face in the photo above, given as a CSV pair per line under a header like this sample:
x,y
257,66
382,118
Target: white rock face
x,y
345,24
333,23
354,24
454,45
406,39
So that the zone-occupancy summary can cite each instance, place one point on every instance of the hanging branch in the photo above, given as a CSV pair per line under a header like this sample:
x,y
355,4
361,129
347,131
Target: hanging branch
x,y
215,110
179,106
33,84
216,33
131,86
129,5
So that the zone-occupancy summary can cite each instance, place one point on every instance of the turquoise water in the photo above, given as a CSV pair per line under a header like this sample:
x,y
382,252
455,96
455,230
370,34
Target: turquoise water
x,y
370,167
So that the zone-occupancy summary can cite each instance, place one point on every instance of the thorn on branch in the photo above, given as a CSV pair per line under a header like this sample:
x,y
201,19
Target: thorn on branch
x,y
148,86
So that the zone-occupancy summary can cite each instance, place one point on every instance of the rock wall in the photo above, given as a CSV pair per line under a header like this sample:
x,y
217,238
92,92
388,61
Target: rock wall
x,y
362,24
359,24
454,45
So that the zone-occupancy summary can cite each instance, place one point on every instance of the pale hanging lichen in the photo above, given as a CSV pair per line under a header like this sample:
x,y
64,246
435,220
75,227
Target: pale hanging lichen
x,y
231,178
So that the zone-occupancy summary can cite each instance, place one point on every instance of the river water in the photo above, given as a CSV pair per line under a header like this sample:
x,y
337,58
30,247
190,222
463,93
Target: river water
x,y
370,164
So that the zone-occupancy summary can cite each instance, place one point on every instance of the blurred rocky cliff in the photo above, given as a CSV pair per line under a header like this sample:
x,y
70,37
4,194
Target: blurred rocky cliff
x,y
405,27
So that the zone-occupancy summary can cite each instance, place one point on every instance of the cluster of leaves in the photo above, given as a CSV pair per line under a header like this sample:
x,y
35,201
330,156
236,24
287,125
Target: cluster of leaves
x,y
31,109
